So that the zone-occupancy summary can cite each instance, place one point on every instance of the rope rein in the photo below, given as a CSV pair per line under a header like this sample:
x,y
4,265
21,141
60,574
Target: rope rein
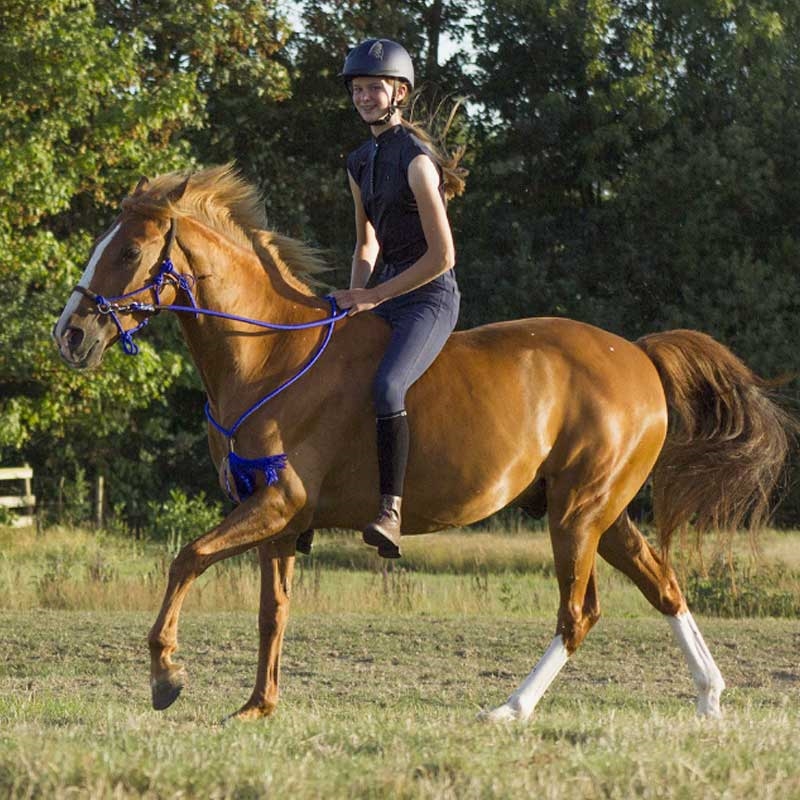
x,y
243,470
330,322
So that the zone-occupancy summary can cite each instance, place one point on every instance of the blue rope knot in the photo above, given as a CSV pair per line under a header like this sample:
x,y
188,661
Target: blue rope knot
x,y
246,470
129,347
183,281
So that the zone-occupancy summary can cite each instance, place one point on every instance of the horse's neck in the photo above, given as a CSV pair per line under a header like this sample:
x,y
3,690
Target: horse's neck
x,y
235,280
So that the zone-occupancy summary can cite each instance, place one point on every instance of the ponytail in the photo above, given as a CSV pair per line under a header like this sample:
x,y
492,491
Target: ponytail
x,y
433,133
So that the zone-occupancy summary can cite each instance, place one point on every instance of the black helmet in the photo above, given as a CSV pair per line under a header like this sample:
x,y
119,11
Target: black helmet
x,y
381,58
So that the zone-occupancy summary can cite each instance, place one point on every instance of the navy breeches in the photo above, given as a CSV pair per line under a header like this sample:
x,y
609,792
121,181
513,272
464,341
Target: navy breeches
x,y
421,323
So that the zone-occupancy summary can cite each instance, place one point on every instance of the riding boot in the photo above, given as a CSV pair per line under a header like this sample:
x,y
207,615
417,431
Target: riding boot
x,y
393,442
384,531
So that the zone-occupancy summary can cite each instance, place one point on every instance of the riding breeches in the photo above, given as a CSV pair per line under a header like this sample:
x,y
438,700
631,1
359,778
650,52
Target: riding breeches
x,y
421,323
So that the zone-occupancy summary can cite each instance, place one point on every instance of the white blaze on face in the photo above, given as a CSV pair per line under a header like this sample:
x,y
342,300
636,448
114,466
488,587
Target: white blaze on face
x,y
75,298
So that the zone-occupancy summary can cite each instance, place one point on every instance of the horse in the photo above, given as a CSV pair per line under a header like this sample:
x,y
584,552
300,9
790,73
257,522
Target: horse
x,y
549,415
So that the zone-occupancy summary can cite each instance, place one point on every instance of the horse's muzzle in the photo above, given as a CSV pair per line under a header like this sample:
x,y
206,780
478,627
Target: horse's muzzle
x,y
76,348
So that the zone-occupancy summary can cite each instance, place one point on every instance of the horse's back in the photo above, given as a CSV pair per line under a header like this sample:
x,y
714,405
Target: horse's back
x,y
511,403
503,407
555,351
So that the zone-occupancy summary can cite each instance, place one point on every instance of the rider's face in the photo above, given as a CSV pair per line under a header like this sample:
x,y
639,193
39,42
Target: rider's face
x,y
372,96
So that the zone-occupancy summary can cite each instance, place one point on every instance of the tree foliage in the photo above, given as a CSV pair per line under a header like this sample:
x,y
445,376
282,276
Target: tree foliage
x,y
78,126
94,95
633,164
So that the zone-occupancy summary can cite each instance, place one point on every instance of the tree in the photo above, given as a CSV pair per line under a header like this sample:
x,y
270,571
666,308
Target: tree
x,y
88,106
567,92
628,152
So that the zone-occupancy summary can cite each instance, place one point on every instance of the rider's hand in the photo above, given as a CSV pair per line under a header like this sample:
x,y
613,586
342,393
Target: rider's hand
x,y
354,301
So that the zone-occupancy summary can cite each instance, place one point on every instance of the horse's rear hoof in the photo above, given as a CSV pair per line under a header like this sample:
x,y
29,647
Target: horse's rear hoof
x,y
250,711
165,691
508,712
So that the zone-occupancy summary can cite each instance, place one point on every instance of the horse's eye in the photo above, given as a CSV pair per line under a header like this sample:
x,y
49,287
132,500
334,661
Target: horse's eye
x,y
131,253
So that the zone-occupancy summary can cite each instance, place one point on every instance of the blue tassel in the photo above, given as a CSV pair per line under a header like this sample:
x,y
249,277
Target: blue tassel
x,y
245,471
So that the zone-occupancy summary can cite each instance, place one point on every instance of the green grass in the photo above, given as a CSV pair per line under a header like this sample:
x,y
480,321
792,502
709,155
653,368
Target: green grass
x,y
377,706
458,573
384,672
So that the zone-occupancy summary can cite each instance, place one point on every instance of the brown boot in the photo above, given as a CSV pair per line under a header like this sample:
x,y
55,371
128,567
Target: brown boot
x,y
384,531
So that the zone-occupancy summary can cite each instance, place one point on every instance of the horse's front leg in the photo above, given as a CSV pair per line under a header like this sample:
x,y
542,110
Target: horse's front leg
x,y
277,567
270,511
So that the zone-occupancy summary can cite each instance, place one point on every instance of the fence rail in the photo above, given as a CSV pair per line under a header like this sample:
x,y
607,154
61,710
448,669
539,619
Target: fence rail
x,y
25,501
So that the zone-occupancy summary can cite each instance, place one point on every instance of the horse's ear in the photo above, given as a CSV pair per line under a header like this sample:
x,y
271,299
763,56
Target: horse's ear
x,y
177,193
141,186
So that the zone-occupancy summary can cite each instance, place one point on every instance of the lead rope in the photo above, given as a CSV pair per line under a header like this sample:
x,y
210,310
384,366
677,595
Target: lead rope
x,y
244,471
331,321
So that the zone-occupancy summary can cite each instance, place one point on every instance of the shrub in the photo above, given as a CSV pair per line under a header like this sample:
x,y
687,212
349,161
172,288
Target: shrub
x,y
181,519
731,590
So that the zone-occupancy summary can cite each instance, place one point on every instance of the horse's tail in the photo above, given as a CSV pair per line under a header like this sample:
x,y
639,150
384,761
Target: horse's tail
x,y
727,442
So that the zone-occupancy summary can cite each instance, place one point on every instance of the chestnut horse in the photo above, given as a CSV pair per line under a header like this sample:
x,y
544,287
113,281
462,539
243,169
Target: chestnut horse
x,y
544,414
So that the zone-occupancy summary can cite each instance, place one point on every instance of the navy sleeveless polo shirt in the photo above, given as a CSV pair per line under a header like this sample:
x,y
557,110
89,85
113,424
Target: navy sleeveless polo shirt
x,y
380,168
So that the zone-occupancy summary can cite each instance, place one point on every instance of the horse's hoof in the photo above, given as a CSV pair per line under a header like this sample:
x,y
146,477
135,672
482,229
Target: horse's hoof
x,y
504,713
165,691
708,709
248,713
708,700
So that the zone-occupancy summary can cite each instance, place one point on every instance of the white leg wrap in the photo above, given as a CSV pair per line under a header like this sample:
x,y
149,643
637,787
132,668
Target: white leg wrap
x,y
521,704
706,675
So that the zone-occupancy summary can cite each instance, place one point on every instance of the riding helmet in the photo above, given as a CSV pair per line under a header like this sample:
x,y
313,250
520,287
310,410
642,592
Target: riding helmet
x,y
379,57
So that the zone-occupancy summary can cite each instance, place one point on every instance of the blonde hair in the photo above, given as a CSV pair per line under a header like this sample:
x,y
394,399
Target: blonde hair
x,y
433,134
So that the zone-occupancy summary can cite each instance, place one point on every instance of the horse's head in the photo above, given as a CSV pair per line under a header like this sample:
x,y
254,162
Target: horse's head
x,y
127,258
222,231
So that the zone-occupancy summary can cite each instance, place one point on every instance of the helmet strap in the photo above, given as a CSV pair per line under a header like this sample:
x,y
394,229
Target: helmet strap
x,y
392,106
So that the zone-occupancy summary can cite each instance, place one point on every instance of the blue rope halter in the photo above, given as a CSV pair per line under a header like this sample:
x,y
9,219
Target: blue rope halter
x,y
243,470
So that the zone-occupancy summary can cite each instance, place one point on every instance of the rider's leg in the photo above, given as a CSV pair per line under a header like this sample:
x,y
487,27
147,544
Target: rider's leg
x,y
421,323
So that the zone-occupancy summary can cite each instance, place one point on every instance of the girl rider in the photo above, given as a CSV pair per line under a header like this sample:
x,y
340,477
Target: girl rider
x,y
400,181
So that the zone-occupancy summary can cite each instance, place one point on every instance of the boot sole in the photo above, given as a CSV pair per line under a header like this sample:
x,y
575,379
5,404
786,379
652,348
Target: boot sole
x,y
386,547
304,542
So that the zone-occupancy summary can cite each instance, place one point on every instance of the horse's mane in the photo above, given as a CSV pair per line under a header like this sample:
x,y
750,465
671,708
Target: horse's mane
x,y
220,198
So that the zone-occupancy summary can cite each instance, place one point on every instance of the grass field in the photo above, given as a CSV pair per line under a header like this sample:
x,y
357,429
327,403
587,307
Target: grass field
x,y
383,675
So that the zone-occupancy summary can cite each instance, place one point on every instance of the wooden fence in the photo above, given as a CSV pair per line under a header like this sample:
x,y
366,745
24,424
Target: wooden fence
x,y
24,503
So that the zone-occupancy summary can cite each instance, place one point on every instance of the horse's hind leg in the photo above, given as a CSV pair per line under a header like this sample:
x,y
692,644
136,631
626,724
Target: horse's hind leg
x,y
574,550
624,547
277,568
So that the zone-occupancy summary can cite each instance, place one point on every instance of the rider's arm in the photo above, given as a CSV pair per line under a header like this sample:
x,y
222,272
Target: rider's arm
x,y
366,249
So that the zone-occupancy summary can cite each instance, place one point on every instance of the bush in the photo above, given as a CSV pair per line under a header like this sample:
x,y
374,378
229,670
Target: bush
x,y
181,519
730,590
